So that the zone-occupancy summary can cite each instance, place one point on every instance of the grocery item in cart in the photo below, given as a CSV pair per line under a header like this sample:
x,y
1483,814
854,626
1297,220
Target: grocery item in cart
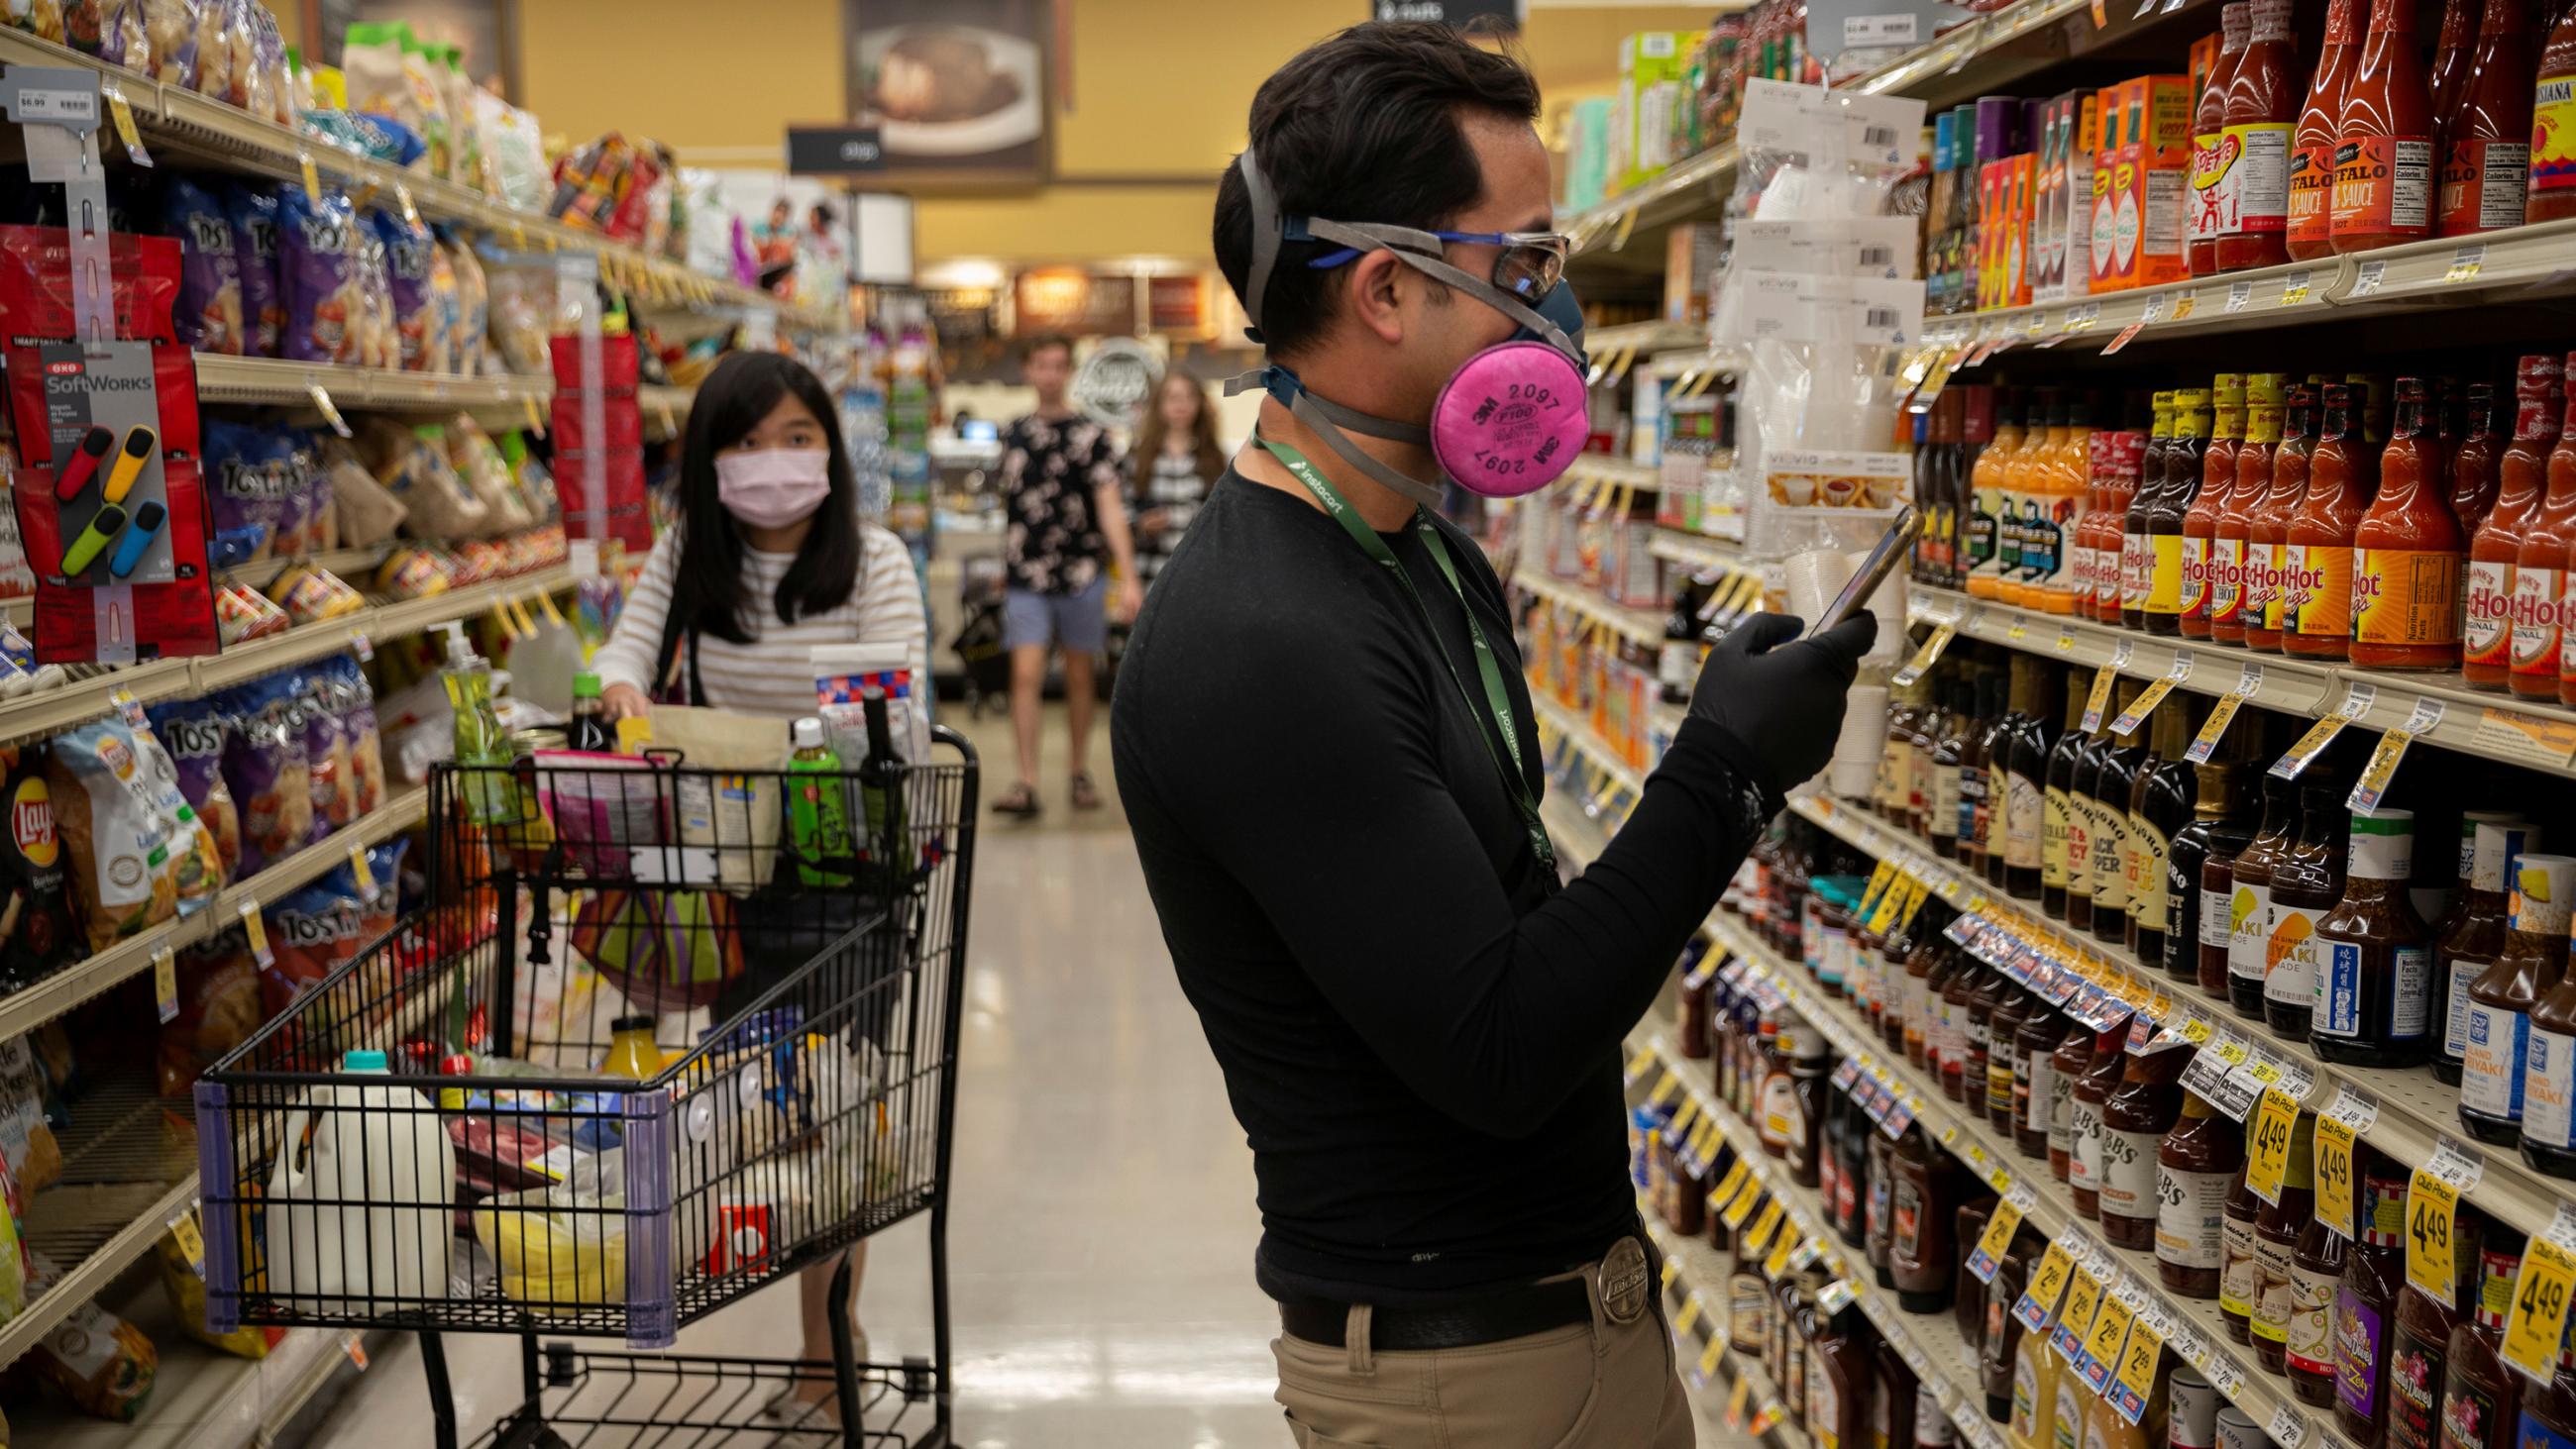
x,y
139,854
599,808
377,1143
563,1244
728,800
664,950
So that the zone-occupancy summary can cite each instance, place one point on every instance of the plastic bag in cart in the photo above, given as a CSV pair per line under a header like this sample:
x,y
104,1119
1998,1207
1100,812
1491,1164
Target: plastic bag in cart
x,y
563,1244
662,950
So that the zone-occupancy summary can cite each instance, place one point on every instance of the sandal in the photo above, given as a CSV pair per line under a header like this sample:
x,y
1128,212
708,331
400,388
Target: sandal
x,y
1086,796
1021,801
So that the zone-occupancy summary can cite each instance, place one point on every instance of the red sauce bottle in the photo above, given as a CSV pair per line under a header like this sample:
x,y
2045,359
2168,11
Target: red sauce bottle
x,y
2117,456
2553,126
2522,475
2255,151
2407,552
2539,581
2168,594
1924,1201
2486,128
2310,233
2473,462
2200,520
2205,219
2562,473
2267,535
2383,189
2451,52
2231,592
2316,565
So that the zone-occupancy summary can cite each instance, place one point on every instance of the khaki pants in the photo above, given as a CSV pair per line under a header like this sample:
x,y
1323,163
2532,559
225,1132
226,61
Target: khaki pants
x,y
1597,1385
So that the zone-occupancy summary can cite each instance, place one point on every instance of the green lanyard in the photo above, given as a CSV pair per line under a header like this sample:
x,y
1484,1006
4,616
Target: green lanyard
x,y
1498,700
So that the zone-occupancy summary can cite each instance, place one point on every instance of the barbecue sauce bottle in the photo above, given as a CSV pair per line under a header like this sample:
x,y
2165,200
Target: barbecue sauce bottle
x,y
2500,1001
1924,1205
2418,1344
2250,907
2237,1279
2135,1119
2194,1169
2375,988
2316,1270
2277,1226
2305,887
2481,1398
2477,932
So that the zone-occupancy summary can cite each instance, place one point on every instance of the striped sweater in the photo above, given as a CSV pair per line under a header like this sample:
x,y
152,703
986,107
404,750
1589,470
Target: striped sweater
x,y
773,674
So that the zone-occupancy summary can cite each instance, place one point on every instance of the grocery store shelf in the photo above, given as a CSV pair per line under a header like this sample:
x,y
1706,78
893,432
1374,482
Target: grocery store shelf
x,y
1711,1366
1690,187
2515,264
1644,625
1696,550
1602,468
179,124
1641,338
352,565
2409,1112
1591,746
265,380
2436,709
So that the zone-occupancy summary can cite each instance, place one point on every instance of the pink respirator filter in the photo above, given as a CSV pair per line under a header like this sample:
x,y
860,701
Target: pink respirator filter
x,y
1511,421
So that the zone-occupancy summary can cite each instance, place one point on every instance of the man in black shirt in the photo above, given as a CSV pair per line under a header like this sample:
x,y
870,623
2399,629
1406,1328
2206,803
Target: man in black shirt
x,y
1419,1028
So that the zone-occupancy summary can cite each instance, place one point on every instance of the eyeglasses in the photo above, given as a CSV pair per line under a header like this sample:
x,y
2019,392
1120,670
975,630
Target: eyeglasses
x,y
1527,267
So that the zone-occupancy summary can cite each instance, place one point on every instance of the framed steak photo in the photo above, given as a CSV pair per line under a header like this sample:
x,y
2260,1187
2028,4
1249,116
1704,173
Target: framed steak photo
x,y
957,88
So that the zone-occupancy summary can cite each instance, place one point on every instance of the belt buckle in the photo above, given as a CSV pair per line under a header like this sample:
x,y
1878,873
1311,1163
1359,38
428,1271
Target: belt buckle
x,y
1624,1280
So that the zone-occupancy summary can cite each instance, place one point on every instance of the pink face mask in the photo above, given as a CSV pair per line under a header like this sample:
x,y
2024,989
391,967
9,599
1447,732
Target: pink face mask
x,y
773,487
1511,420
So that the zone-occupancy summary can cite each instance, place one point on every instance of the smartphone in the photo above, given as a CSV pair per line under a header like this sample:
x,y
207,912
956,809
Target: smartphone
x,y
1892,549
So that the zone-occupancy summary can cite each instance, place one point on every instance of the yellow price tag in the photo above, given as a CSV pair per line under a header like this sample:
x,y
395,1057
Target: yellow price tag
x,y
2075,1324
1728,1185
1637,1064
2110,1331
312,178
192,1243
2334,1176
165,983
1999,1233
2319,735
1688,1114
1737,1402
2214,728
2537,1321
2432,1207
1898,900
1783,1248
1709,1356
364,873
536,419
1672,1270
121,111
2232,1050
2273,1125
1760,1233
1925,657
1742,1207
2100,699
1688,1317
1879,881
2047,1285
257,930
2138,1360
1667,1087
2143,706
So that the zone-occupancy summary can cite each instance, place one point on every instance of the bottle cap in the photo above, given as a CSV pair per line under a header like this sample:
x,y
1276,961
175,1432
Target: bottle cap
x,y
585,685
632,1023
806,734
363,1061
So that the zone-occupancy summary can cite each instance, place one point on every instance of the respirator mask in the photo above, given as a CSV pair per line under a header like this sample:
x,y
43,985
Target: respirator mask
x,y
1511,419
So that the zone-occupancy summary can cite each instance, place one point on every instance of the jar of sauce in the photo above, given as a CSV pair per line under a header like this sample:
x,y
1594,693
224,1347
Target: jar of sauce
x,y
2419,1343
1924,1206
2500,1000
2034,1077
2114,790
2473,462
2407,554
2562,465
2486,152
2375,996
2026,778
1851,1175
1891,1399
2305,887
2476,936
2268,617
1977,1065
2135,1119
2001,1349
2084,1124
2553,126
2261,114
1803,1133
1838,1381
2366,1304
2540,579
2192,930
2481,1398
2522,476
1967,1295
2194,1169
2085,831
2383,191
2160,513
2316,1271
2250,903
1879,1201
2237,1281
2277,1226
2317,559
1925,974
2234,521
2310,232
2117,458
1941,827
2137,566
2200,519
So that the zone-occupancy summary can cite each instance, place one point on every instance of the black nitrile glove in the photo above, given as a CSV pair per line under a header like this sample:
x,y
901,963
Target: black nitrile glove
x,y
1775,701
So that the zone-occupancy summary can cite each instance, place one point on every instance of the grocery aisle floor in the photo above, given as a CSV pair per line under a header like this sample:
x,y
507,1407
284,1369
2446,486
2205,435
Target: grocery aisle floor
x,y
1102,1237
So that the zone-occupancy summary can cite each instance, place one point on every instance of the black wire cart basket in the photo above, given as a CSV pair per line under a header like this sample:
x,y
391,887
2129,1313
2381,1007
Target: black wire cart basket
x,y
458,1131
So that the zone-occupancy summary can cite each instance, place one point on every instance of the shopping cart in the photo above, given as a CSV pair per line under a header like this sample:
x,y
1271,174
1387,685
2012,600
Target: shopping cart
x,y
425,1140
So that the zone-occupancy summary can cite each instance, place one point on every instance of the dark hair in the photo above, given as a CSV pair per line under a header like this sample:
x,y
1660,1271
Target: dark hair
x,y
1032,346
1361,126
707,589
1152,431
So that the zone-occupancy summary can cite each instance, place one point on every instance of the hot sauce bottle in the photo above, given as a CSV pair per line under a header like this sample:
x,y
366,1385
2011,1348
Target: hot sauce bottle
x,y
2205,219
2305,886
2522,476
2383,191
2136,563
2374,1000
2451,49
2481,1398
2277,1225
2553,126
2317,561
2117,455
2230,594
2473,462
2474,936
2200,520
2135,1119
2562,467
2162,512
2406,556
2500,1000
2486,128
2310,233
1987,482
2261,119
2249,906
2540,580
2193,1170
2316,1271
2267,613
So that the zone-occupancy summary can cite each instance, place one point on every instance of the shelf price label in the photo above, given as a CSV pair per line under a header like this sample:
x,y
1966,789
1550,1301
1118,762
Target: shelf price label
x,y
1637,1065
2047,1285
1742,1207
2075,1324
1686,1317
2537,1322
2334,1159
2153,695
1667,1087
1784,1248
1759,1235
1925,657
257,930
1988,1256
2465,263
2294,288
2240,295
2273,1125
2384,758
2100,699
1709,1356
2103,1342
2136,1379
2432,1211
165,983
2288,1429
2370,278
2357,700
1737,1401
2249,682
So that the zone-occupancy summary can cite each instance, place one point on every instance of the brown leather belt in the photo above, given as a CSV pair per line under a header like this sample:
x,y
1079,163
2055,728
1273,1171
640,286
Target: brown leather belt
x,y
1488,1317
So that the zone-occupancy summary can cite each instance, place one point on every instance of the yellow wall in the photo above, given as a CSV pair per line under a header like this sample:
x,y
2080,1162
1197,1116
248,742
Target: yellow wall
x,y
1159,94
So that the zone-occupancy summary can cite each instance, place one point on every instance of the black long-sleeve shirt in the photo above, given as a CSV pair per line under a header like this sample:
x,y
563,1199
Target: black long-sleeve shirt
x,y
1419,1031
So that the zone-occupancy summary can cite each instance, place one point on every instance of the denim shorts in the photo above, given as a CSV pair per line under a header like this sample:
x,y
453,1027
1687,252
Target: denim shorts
x,y
1078,622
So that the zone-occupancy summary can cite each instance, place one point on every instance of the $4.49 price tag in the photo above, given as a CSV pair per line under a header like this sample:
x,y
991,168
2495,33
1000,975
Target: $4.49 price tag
x,y
2334,1174
2432,1211
2537,1321
2274,1125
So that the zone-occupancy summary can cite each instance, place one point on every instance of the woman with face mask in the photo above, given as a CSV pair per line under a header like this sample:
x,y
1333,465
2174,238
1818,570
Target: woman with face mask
x,y
769,559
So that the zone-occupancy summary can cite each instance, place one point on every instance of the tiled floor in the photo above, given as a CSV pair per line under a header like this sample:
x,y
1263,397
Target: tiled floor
x,y
1104,1223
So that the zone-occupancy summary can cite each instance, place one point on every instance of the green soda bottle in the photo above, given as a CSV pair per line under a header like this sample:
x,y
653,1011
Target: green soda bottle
x,y
818,817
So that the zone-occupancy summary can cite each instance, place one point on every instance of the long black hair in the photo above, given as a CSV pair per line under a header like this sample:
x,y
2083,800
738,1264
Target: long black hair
x,y
707,590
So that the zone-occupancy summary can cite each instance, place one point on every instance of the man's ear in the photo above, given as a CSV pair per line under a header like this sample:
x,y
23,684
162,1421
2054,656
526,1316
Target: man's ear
x,y
1374,296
